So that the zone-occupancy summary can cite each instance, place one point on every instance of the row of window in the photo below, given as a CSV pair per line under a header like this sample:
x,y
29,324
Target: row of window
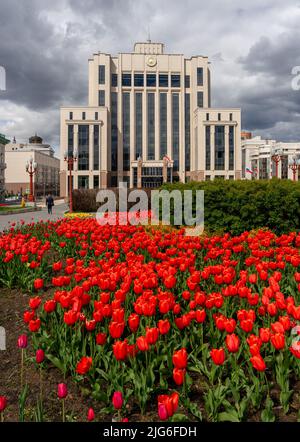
x,y
219,159
219,115
151,79
83,115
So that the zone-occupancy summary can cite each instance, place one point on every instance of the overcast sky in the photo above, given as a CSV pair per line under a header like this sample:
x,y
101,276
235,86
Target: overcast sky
x,y
45,45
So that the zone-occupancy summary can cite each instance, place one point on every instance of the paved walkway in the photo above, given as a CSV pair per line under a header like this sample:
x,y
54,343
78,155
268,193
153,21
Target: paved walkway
x,y
58,212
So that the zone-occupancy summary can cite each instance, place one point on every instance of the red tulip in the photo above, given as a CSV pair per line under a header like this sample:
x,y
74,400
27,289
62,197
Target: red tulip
x,y
180,358
38,283
133,322
278,341
34,325
162,412
117,400
152,335
232,343
179,375
142,343
62,391
101,338
90,415
3,403
22,341
120,350
39,356
258,362
218,356
84,365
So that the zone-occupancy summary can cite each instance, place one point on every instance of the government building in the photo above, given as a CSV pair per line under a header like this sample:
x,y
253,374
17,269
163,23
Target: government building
x,y
148,121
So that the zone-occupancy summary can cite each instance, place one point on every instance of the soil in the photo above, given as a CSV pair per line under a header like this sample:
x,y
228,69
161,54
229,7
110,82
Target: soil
x,y
12,305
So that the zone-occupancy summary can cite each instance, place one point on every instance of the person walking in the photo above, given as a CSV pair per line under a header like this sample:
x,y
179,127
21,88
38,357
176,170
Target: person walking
x,y
49,204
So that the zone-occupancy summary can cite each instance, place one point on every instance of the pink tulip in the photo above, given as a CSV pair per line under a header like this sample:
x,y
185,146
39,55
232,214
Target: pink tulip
x,y
39,356
91,415
22,341
62,391
162,412
117,400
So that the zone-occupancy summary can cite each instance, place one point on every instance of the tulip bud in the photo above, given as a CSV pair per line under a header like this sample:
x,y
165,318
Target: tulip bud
x,y
162,412
117,400
39,356
3,403
22,341
62,391
90,415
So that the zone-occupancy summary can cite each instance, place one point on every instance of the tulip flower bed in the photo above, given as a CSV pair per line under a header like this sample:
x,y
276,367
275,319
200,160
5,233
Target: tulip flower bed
x,y
161,324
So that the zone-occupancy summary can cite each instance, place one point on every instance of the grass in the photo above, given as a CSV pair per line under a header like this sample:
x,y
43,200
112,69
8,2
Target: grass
x,y
10,208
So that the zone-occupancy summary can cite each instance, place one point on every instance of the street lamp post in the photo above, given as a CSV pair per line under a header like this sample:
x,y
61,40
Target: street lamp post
x,y
70,159
31,169
277,157
294,165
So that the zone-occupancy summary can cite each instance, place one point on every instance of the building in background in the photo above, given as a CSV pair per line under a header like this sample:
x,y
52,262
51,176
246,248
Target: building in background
x,y
257,162
149,120
3,142
46,179
245,135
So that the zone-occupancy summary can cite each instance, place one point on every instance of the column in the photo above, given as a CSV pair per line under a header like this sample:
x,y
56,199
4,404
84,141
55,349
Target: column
x,y
226,134
91,156
212,148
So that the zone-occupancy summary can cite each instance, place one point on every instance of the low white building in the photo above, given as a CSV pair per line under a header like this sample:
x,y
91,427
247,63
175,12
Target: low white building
x,y
45,180
3,142
257,162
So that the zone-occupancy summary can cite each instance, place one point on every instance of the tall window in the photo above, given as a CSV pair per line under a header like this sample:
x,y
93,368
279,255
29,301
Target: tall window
x,y
151,80
114,131
163,134
71,116
96,115
101,98
70,139
126,79
83,182
199,76
114,80
187,113
175,130
187,82
163,80
200,99
151,125
231,147
207,148
96,181
101,74
175,80
138,124
83,115
96,147
219,147
83,147
243,163
139,80
284,167
126,130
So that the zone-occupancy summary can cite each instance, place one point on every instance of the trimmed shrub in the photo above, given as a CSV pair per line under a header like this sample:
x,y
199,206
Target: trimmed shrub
x,y
236,206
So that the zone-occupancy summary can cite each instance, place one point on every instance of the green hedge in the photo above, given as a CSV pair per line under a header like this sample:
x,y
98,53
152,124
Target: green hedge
x,y
236,206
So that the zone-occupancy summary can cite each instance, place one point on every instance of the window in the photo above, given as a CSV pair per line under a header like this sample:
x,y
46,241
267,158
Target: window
x,y
70,139
163,80
96,147
114,131
175,80
219,117
71,116
219,148
200,99
114,80
96,115
151,80
207,177
163,125
231,147
230,117
175,130
126,130
231,177
96,181
243,163
199,76
83,147
83,115
284,167
126,79
187,81
101,98
139,80
101,74
83,182
207,117
207,148
151,125
138,124
187,122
